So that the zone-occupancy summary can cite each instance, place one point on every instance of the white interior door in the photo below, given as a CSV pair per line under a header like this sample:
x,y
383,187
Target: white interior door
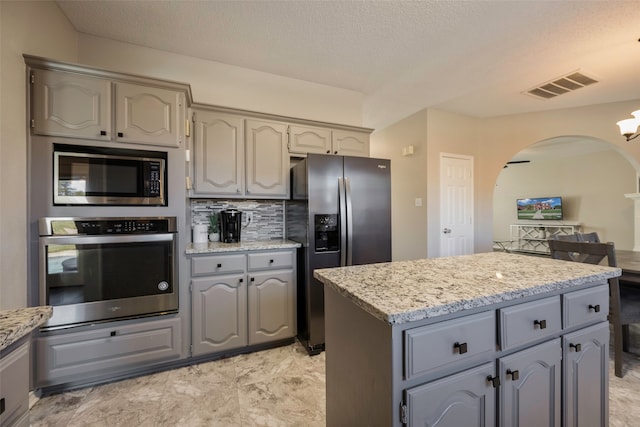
x,y
456,204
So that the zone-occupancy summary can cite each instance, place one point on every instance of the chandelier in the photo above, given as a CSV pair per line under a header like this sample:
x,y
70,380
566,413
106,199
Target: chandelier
x,y
629,127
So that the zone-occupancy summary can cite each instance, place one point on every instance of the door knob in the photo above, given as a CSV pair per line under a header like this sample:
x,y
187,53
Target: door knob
x,y
446,230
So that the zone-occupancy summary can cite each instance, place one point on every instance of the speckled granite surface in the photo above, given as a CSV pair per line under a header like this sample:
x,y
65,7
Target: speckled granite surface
x,y
212,247
14,324
400,292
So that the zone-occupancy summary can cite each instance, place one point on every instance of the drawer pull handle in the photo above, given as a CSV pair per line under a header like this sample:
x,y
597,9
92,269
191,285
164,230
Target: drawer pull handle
x,y
595,308
460,347
541,323
241,280
495,381
515,375
253,279
270,261
113,333
576,347
219,265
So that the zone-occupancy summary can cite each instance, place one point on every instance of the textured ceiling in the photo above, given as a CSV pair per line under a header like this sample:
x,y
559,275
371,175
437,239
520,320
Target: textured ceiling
x,y
471,57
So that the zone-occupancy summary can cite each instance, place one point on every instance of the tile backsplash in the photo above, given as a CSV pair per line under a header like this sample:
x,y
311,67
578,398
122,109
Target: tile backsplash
x,y
261,219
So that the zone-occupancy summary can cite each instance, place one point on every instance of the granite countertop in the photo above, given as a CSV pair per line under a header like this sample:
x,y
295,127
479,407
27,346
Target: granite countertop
x,y
15,324
406,291
261,245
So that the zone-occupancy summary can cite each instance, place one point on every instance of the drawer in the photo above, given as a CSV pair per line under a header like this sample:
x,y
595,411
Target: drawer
x,y
270,260
77,356
431,347
529,322
585,306
217,264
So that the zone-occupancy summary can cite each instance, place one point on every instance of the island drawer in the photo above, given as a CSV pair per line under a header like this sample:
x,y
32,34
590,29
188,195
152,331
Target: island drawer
x,y
529,322
270,260
433,346
217,264
585,306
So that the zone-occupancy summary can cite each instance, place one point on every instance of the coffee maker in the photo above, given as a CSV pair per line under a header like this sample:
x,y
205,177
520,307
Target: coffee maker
x,y
230,225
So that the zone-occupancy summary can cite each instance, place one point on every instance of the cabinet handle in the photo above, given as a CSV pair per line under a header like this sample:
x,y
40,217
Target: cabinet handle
x,y
328,151
103,133
595,308
460,347
515,375
270,261
541,323
219,265
113,333
335,152
241,280
495,381
253,279
576,347
120,134
2,406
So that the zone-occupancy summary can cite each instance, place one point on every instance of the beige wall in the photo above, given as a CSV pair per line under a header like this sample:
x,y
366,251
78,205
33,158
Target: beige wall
x,y
37,28
226,85
408,182
591,185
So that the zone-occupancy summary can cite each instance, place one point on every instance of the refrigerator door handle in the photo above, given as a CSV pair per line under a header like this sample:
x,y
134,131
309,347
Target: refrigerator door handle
x,y
343,222
347,186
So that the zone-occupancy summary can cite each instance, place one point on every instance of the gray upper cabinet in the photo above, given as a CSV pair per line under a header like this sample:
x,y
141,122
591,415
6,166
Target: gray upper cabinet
x,y
349,143
71,105
218,154
239,157
149,115
308,139
267,162
78,105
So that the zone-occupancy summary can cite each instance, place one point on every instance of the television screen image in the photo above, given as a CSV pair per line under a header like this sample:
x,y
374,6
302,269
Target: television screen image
x,y
541,208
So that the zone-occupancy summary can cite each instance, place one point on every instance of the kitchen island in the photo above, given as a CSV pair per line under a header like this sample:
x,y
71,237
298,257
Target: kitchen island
x,y
484,339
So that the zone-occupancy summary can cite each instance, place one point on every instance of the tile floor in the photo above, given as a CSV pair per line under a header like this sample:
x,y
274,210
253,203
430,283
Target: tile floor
x,y
277,387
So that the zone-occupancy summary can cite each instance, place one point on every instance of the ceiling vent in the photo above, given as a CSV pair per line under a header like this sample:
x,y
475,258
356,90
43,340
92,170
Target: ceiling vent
x,y
561,85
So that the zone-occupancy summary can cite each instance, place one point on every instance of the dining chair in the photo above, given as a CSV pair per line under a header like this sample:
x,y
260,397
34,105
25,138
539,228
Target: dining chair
x,y
624,301
579,237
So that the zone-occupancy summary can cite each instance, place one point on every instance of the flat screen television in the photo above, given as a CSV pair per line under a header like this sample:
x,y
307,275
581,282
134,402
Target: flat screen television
x,y
540,208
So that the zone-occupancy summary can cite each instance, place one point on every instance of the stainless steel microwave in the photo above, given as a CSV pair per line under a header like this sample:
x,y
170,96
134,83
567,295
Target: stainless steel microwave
x,y
108,176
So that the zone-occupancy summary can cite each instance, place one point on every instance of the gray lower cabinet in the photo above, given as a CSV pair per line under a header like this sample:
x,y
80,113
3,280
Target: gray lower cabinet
x,y
14,387
530,386
104,351
586,377
464,399
543,362
254,305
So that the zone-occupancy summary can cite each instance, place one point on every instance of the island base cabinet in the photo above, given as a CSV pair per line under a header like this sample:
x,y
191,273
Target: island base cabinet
x,y
465,399
530,386
586,377
14,387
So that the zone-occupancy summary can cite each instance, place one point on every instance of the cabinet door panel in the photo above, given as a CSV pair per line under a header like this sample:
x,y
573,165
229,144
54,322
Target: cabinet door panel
x,y
271,297
465,399
67,104
347,143
304,139
148,115
14,385
267,160
219,154
586,377
530,397
219,314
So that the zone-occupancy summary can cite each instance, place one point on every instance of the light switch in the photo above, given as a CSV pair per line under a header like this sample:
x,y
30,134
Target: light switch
x,y
418,202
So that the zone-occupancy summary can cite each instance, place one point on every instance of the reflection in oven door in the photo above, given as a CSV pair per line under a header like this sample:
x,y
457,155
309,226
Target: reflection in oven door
x,y
95,278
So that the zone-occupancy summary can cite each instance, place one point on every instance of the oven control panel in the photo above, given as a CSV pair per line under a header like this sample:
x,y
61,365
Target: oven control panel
x,y
102,226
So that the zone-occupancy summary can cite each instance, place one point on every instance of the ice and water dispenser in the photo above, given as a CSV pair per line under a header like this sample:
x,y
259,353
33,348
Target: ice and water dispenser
x,y
327,233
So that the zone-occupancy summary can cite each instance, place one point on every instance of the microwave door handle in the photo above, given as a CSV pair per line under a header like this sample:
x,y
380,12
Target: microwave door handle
x,y
343,222
347,186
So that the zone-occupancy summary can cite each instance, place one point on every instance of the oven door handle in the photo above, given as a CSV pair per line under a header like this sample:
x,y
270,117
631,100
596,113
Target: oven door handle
x,y
106,238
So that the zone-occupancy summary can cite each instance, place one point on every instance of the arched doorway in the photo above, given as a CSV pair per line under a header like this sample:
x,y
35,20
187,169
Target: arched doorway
x,y
591,175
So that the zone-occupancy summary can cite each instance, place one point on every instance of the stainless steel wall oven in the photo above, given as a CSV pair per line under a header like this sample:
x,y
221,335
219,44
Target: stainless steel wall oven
x,y
99,269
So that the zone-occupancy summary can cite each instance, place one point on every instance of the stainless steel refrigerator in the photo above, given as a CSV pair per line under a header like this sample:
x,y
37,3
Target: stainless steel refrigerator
x,y
340,210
